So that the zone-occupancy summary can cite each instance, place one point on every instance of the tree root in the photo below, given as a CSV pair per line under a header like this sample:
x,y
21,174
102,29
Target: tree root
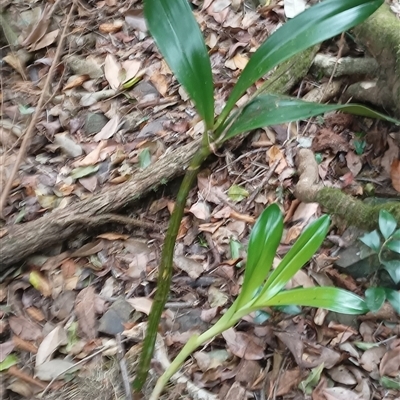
x,y
334,201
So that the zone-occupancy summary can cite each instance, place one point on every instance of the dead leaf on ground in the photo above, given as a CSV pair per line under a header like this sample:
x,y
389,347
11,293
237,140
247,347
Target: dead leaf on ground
x,y
24,328
112,69
56,338
108,130
242,345
85,312
395,174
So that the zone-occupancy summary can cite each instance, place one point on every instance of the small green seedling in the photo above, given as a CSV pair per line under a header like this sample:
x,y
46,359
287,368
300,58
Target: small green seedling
x,y
385,243
263,287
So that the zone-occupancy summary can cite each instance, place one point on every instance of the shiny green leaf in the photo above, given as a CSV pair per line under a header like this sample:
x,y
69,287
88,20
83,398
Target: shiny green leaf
x,y
372,240
179,39
264,240
374,298
301,252
318,23
394,245
387,223
330,298
272,109
396,235
393,297
393,269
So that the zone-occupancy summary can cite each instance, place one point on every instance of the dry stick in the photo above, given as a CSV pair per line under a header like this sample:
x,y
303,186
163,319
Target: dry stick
x,y
38,110
265,180
87,358
123,368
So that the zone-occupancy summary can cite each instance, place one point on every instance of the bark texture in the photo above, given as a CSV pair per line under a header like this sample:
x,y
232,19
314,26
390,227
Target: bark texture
x,y
24,239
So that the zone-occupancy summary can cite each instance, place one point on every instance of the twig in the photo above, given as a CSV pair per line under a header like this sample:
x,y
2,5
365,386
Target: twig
x,y
265,180
89,357
23,376
123,368
35,116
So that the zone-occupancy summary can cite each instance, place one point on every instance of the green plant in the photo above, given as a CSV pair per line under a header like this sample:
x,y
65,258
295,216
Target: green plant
x,y
386,244
263,288
180,41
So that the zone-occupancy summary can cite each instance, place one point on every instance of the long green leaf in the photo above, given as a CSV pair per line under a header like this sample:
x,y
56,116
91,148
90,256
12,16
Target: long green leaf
x,y
264,240
272,109
301,252
179,39
330,298
318,23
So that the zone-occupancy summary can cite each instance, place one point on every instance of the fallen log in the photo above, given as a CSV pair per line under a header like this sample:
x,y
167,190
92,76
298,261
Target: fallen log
x,y
23,240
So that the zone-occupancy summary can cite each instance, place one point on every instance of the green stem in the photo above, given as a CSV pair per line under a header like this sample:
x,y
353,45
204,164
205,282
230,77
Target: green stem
x,y
194,342
166,264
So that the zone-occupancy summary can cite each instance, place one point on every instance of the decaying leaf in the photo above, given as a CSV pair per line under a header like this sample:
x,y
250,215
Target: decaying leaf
x,y
85,312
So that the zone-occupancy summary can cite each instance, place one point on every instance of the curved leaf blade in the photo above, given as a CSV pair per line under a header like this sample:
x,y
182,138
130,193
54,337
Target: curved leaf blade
x,y
179,39
318,23
264,240
301,252
272,109
330,298
387,223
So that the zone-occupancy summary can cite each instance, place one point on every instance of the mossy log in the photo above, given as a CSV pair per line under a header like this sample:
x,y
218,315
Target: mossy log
x,y
334,201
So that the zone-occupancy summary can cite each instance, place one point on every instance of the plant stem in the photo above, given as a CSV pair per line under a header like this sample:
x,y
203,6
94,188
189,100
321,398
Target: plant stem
x,y
193,343
166,264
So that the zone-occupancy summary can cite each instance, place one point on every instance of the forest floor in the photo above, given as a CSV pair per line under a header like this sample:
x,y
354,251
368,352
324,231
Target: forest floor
x,y
80,305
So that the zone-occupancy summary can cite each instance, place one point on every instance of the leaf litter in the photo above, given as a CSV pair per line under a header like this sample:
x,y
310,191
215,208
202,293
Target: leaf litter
x,y
52,309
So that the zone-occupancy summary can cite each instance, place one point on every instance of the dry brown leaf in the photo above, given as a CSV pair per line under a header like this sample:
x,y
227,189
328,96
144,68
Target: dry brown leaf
x,y
111,70
40,28
130,69
15,62
85,312
109,129
111,27
76,81
56,338
353,163
390,363
395,174
5,349
93,157
46,40
141,304
391,154
201,210
275,154
35,313
242,345
240,61
113,236
88,249
24,328
287,381
339,393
